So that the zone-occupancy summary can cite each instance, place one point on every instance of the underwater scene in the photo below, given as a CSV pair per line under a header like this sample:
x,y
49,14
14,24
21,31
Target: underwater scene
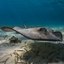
x,y
31,31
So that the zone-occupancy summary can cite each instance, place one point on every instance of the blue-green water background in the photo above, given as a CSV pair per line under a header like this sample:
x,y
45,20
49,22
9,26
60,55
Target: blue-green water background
x,y
31,12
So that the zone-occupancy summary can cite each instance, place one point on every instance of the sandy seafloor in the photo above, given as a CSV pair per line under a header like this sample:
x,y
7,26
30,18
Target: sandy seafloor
x,y
7,50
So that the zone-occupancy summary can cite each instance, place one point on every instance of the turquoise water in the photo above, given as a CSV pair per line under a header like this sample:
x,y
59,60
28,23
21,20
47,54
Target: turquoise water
x,y
32,12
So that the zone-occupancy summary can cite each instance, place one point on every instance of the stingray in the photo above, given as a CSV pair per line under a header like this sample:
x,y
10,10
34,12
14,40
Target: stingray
x,y
36,33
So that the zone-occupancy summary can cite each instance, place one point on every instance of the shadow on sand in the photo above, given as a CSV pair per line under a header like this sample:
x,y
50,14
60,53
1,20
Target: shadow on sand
x,y
49,52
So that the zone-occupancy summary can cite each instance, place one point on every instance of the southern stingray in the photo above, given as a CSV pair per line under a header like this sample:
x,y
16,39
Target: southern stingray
x,y
37,33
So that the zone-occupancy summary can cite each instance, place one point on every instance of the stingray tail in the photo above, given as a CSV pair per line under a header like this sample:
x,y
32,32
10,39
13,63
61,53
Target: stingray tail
x,y
7,29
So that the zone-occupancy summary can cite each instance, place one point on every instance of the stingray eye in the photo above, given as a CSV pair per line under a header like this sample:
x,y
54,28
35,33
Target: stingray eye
x,y
43,30
40,29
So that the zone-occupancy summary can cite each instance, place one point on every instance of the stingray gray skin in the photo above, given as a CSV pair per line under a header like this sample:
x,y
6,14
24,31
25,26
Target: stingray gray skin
x,y
37,33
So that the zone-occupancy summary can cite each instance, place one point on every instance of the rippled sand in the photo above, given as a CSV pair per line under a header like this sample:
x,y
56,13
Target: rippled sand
x,y
7,55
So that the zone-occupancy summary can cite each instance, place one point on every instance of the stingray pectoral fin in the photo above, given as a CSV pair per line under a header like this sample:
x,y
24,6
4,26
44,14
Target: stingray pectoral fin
x,y
59,35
